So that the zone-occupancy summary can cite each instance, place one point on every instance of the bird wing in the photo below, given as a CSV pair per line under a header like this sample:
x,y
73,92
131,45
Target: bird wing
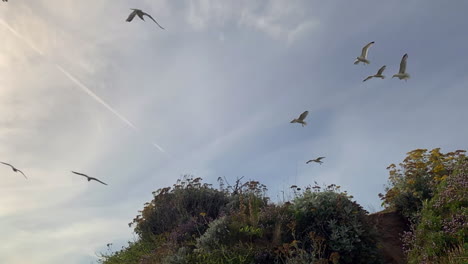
x,y
91,178
320,158
22,173
309,161
81,174
132,15
368,78
303,115
148,15
6,164
365,50
403,63
381,70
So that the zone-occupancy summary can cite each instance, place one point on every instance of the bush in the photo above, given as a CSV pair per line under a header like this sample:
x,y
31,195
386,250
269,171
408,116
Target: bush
x,y
416,180
444,220
329,221
194,223
173,207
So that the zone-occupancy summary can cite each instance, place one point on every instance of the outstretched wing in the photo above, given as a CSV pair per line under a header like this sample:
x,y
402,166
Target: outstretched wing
x,y
368,78
6,164
309,161
365,50
320,158
303,115
132,15
381,70
148,15
81,174
403,63
22,173
98,180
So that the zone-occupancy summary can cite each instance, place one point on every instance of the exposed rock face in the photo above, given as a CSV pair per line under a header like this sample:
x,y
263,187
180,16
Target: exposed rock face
x,y
390,226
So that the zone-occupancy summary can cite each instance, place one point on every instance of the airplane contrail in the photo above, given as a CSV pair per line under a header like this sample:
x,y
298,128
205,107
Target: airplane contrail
x,y
80,84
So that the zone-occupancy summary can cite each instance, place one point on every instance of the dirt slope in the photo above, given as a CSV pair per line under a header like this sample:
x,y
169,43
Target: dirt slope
x,y
390,226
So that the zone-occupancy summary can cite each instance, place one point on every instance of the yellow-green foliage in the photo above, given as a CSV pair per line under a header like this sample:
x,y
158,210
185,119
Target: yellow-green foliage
x,y
443,226
416,178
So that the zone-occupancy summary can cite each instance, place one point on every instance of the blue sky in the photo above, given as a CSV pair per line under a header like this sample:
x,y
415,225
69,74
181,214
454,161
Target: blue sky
x,y
216,90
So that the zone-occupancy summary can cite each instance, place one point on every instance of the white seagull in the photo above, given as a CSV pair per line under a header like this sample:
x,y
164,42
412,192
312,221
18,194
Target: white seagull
x,y
301,119
378,75
363,57
12,167
89,178
140,14
402,74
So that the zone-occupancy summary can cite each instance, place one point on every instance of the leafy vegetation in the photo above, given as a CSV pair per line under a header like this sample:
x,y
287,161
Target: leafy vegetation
x,y
195,223
417,179
431,190
443,227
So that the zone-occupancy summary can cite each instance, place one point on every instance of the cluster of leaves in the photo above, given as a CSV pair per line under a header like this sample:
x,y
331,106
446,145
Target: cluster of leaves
x,y
178,209
341,224
442,231
194,223
417,178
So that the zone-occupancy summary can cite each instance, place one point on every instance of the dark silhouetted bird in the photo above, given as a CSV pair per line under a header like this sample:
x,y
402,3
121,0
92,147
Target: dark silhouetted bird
x,y
317,160
140,14
12,167
89,178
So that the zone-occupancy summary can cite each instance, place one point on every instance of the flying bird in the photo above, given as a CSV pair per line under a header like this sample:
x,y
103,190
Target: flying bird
x,y
317,160
12,167
89,178
363,57
301,119
402,74
140,14
378,75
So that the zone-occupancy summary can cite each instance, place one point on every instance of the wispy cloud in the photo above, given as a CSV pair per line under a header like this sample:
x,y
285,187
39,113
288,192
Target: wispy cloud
x,y
220,108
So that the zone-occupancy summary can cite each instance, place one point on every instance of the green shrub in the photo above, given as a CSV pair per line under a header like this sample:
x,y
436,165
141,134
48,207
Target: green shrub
x,y
172,207
216,234
132,254
444,220
416,180
332,217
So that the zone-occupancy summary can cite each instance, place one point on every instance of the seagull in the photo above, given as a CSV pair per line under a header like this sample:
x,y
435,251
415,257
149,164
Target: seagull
x,y
140,14
12,167
301,119
363,57
378,75
402,75
317,160
89,178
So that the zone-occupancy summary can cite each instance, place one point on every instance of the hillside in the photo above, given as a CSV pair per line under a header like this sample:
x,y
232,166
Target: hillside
x,y
425,221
